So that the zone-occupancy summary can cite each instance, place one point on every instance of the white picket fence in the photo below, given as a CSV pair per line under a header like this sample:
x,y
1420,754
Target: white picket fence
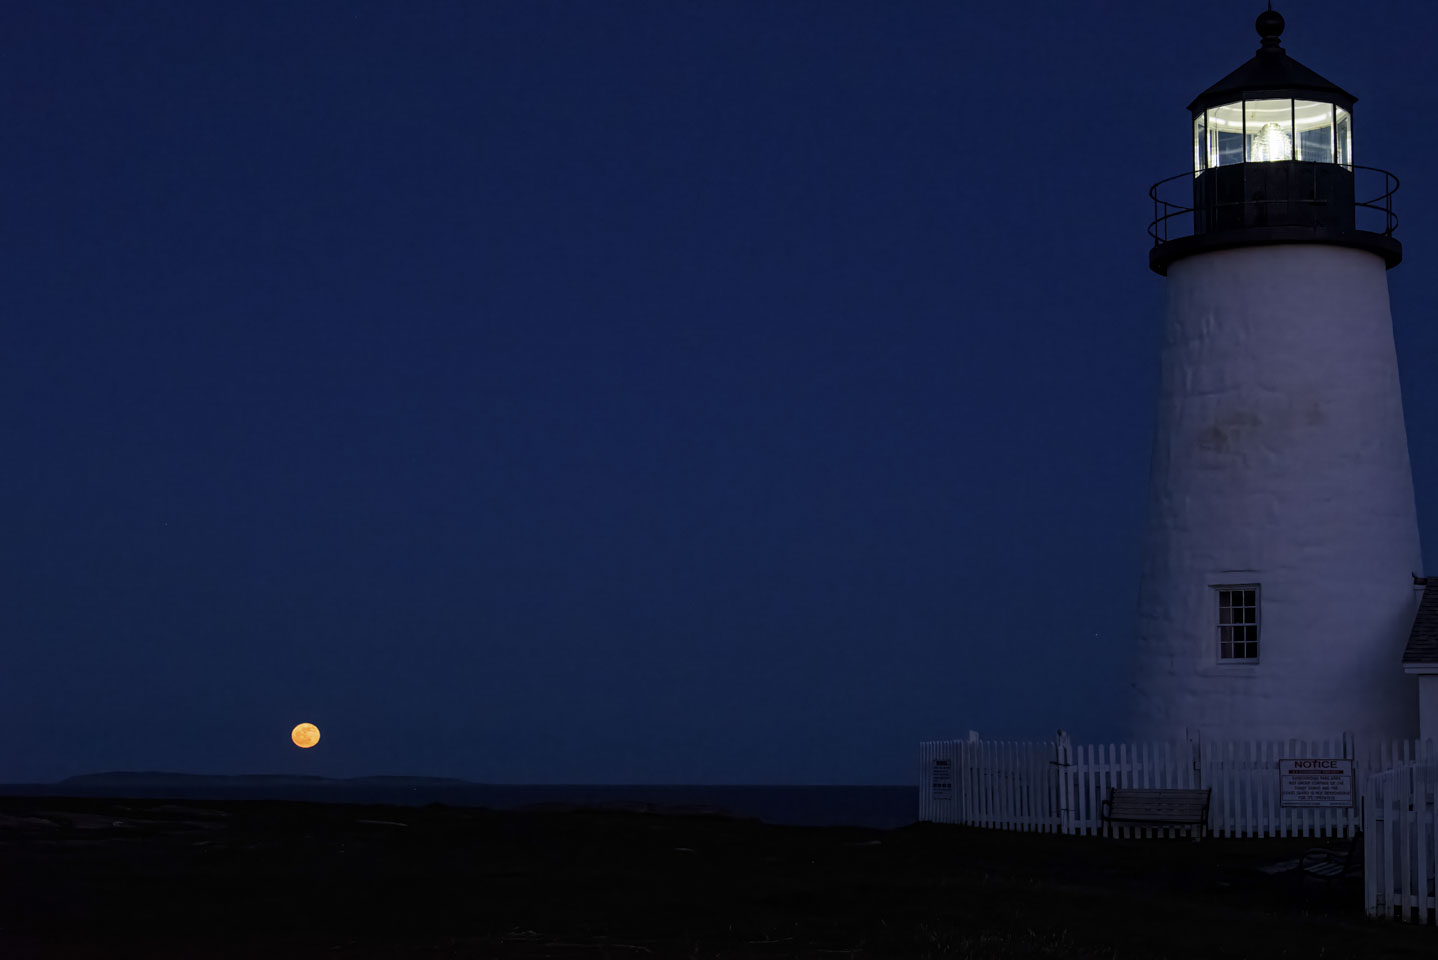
x,y
1400,844
990,783
1057,786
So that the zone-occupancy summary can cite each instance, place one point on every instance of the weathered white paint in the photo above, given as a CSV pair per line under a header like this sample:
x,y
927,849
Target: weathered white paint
x,y
1280,458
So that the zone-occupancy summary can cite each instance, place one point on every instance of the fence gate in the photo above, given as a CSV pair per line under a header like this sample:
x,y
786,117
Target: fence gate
x,y
1400,856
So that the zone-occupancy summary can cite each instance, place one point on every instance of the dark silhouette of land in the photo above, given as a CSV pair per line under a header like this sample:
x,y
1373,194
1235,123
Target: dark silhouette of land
x,y
119,779
95,877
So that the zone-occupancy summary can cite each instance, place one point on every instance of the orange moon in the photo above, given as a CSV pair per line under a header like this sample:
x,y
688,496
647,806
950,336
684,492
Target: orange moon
x,y
305,735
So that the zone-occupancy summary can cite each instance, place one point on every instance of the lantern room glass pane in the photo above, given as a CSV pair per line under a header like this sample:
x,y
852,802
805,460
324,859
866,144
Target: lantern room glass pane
x,y
1344,136
1199,144
1313,122
1225,135
1268,129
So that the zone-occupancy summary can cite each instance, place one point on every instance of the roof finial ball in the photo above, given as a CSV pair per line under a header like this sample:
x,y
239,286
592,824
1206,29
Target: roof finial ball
x,y
1270,27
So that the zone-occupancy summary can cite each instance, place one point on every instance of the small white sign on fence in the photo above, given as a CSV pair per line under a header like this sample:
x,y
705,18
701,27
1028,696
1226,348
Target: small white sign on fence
x,y
943,781
1315,782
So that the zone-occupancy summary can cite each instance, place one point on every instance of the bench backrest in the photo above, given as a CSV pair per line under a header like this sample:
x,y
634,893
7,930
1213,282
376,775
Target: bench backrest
x,y
1176,804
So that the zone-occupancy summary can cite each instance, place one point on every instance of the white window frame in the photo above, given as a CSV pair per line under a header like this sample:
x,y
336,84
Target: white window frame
x,y
1219,589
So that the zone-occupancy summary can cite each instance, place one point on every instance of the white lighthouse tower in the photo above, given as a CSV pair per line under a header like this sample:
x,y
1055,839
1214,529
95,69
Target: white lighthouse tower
x,y
1282,540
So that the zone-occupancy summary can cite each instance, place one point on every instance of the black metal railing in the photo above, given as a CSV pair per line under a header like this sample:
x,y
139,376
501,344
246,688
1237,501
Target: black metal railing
x,y
1166,210
1383,203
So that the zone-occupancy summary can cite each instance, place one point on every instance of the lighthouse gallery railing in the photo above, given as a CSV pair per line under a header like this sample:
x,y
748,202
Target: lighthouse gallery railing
x,y
1166,209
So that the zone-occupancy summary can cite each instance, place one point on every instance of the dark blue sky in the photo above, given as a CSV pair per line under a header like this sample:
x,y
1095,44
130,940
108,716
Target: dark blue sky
x,y
583,392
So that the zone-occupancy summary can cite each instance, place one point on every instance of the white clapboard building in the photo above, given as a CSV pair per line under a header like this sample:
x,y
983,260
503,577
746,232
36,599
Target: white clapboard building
x,y
1280,581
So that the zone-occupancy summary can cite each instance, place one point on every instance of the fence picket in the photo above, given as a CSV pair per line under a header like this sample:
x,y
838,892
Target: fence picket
x,y
976,757
1016,787
1115,779
1420,844
1007,784
1095,796
1110,780
1293,817
1230,788
986,769
1063,793
1284,814
1146,778
1403,859
1121,778
1026,799
1319,748
1045,780
988,775
981,813
1100,782
1235,789
990,787
1429,820
1304,818
1223,755
1220,787
1373,860
1086,775
1245,789
1390,842
1003,782
1327,816
1023,762
1264,811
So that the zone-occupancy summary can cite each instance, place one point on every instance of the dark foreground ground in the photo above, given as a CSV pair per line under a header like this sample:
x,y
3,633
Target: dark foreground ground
x,y
150,878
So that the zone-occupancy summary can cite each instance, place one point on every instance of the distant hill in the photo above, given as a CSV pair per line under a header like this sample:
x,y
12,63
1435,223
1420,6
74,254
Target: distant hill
x,y
136,778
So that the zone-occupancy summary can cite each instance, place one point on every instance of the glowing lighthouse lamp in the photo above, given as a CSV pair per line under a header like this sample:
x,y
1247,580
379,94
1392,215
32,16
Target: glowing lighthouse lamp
x,y
1277,591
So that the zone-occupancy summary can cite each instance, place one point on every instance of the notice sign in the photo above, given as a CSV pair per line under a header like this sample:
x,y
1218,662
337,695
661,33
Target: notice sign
x,y
943,781
1315,782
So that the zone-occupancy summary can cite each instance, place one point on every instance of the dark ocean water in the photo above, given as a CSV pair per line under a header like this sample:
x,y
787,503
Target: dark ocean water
x,y
883,808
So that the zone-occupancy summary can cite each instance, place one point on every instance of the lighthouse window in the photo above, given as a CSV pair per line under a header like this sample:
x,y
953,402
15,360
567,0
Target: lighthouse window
x,y
1268,130
1225,135
1345,136
1314,122
1238,622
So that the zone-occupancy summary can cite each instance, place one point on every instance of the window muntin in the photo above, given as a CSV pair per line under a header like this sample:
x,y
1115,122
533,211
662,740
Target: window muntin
x,y
1268,130
1238,622
1313,123
1344,129
1225,135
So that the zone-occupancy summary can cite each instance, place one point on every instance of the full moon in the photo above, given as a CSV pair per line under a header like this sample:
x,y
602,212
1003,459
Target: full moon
x,y
305,735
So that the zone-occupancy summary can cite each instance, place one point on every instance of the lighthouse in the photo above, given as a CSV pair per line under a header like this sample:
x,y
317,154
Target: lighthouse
x,y
1282,537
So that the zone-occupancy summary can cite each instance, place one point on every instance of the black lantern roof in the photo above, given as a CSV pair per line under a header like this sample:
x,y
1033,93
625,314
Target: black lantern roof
x,y
1272,73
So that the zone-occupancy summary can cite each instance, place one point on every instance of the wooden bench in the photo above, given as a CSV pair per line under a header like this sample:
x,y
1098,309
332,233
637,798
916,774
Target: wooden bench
x,y
1157,807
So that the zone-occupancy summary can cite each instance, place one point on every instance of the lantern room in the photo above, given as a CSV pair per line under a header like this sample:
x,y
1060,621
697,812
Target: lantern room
x,y
1271,130
1272,147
